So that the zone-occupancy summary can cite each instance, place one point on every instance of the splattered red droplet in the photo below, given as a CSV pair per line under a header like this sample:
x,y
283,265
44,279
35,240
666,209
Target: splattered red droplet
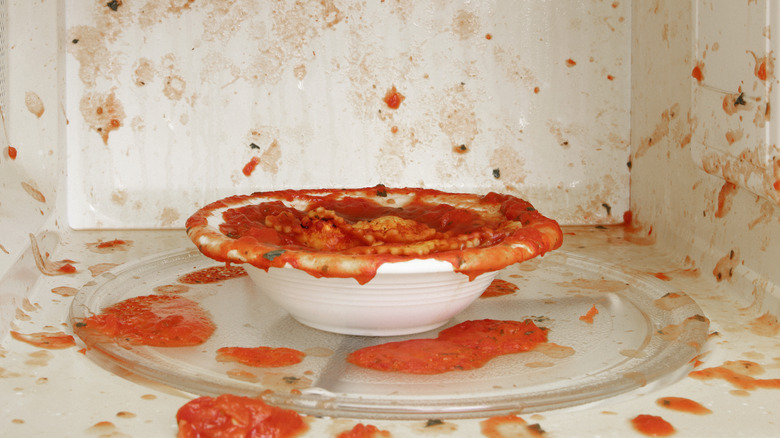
x,y
652,425
393,98
250,166
499,287
232,415
588,317
361,430
260,356
570,62
212,274
11,152
697,74
51,341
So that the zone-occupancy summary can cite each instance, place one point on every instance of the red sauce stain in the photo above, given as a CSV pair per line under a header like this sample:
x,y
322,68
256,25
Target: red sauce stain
x,y
468,345
615,4
724,269
764,66
488,37
662,276
171,289
570,62
33,192
250,166
65,291
536,90
610,77
100,268
266,357
243,375
154,320
499,287
776,185
213,274
393,98
683,405
505,426
236,416
11,151
734,102
725,199
765,325
51,341
739,374
364,431
697,73
628,217
394,129
111,244
588,317
67,268
652,425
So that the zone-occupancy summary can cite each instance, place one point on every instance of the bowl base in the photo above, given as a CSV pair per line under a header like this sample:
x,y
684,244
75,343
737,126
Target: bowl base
x,y
357,331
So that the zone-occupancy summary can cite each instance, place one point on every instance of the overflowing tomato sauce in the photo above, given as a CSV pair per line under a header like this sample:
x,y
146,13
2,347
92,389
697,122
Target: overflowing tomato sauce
x,y
652,425
361,430
213,274
153,320
498,288
260,356
235,416
51,341
351,232
465,346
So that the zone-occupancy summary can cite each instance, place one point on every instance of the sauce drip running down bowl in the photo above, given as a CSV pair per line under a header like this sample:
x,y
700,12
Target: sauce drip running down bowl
x,y
372,261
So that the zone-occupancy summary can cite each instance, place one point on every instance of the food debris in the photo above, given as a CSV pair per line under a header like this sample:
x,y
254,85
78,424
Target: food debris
x,y
393,98
499,287
154,320
588,317
260,356
364,431
46,266
237,416
652,425
51,341
213,274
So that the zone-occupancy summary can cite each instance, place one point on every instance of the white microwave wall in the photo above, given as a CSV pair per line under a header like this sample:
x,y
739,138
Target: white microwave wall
x,y
134,114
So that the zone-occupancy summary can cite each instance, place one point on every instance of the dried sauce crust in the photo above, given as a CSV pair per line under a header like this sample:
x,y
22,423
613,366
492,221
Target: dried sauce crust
x,y
351,232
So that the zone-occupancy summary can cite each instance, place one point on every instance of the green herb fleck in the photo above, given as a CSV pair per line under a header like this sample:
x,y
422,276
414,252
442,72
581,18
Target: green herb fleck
x,y
271,255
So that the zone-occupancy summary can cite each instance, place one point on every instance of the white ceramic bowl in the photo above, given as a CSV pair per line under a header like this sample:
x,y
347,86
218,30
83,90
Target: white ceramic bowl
x,y
403,298
376,287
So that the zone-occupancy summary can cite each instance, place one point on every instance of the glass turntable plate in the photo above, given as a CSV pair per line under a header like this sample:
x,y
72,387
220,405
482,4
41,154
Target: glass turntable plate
x,y
644,335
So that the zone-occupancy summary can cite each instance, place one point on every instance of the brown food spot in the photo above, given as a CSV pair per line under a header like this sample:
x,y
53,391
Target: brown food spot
x,y
724,269
725,199
65,291
33,192
34,103
102,112
765,325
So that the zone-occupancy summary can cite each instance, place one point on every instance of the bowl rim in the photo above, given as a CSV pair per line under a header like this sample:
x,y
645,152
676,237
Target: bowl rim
x,y
530,234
